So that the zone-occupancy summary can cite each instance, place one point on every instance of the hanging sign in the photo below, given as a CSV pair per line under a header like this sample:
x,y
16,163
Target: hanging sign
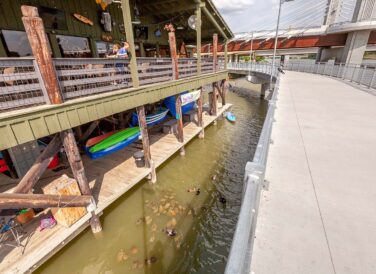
x,y
189,97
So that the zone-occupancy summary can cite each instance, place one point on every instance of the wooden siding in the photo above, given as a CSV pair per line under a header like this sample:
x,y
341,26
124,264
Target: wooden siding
x,y
21,126
11,19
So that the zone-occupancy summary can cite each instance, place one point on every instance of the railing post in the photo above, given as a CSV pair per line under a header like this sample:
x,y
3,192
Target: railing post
x,y
37,37
362,75
331,72
353,74
373,78
127,20
198,37
339,70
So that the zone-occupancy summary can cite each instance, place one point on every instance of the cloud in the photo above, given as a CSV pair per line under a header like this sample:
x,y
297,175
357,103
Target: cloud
x,y
232,6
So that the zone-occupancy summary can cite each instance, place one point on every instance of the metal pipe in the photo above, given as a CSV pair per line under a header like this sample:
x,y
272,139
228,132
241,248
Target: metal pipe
x,y
276,40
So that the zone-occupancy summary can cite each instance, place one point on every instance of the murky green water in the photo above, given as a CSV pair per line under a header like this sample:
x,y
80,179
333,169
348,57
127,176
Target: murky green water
x,y
134,238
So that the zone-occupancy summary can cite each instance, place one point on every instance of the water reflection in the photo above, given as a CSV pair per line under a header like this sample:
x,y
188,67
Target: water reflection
x,y
171,227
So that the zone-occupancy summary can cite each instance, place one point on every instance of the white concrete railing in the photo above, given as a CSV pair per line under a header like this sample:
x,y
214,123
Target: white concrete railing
x,y
239,260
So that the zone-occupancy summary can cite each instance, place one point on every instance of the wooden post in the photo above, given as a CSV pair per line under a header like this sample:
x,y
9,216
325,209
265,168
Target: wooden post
x,y
223,92
175,73
213,95
198,37
215,51
39,167
145,141
127,19
199,115
39,45
174,56
226,54
88,131
179,118
16,201
78,170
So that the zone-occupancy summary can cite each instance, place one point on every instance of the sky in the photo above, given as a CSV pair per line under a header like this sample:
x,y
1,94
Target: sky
x,y
250,15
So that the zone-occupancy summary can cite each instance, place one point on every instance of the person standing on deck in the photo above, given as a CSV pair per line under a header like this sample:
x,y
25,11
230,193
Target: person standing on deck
x,y
123,51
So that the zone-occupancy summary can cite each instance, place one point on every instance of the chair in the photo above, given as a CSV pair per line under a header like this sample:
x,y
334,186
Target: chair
x,y
10,228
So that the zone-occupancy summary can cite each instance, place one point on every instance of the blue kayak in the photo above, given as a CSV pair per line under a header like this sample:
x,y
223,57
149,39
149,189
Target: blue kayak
x,y
231,117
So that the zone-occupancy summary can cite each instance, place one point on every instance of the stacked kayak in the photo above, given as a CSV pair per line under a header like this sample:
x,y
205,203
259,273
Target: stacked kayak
x,y
231,117
112,143
151,119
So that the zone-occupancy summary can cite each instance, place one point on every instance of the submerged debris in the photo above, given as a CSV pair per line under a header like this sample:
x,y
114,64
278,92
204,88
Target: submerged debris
x,y
151,260
121,256
214,177
134,250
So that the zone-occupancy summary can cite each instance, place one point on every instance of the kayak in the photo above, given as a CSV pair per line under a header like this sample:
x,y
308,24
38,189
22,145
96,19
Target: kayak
x,y
151,119
231,117
114,139
95,140
113,148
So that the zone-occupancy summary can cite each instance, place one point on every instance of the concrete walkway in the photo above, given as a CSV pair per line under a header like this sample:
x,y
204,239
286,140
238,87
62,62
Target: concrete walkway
x,y
319,215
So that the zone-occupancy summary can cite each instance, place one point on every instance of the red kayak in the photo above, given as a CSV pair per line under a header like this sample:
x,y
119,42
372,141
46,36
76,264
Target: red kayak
x,y
95,140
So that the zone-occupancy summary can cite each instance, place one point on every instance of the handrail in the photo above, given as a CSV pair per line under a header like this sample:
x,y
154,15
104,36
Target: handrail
x,y
239,260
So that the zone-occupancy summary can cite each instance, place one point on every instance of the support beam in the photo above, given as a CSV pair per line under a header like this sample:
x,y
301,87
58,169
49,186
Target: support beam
x,y
18,201
226,54
127,19
145,141
89,130
78,171
174,56
39,167
37,37
200,104
179,118
215,52
198,37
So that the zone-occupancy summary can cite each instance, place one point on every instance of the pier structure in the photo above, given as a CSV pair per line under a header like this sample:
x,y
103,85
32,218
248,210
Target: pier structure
x,y
52,95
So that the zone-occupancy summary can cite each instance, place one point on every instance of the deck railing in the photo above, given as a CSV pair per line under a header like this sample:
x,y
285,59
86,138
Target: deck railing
x,y
265,68
239,260
21,84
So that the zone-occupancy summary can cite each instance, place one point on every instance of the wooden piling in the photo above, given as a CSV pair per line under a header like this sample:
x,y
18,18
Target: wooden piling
x,y
174,56
180,126
199,115
78,171
213,95
37,37
145,142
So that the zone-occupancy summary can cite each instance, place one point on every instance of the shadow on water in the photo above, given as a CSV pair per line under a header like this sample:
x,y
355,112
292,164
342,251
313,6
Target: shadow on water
x,y
134,238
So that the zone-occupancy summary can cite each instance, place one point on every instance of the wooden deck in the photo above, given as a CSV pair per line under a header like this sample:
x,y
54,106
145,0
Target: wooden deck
x,y
110,177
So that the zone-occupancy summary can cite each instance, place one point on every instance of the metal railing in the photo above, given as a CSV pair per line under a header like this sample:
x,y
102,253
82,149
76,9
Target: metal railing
x,y
21,84
362,75
239,260
254,67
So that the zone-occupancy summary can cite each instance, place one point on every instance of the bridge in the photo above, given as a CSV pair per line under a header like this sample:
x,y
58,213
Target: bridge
x,y
341,38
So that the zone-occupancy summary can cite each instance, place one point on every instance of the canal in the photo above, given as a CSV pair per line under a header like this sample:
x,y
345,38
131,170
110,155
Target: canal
x,y
197,197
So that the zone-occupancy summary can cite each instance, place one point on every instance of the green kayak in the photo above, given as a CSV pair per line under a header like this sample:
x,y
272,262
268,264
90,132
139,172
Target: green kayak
x,y
114,139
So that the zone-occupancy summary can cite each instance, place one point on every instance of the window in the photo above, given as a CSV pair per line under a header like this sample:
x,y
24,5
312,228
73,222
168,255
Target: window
x,y
72,46
103,48
16,43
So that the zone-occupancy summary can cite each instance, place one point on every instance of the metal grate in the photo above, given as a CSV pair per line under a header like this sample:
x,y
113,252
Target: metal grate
x,y
88,76
154,70
21,84
187,67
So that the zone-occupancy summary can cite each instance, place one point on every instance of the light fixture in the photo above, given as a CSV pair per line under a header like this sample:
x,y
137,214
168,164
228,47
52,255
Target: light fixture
x,y
136,19
192,22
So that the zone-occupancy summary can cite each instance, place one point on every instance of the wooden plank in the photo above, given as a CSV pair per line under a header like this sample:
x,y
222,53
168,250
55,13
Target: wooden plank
x,y
17,201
